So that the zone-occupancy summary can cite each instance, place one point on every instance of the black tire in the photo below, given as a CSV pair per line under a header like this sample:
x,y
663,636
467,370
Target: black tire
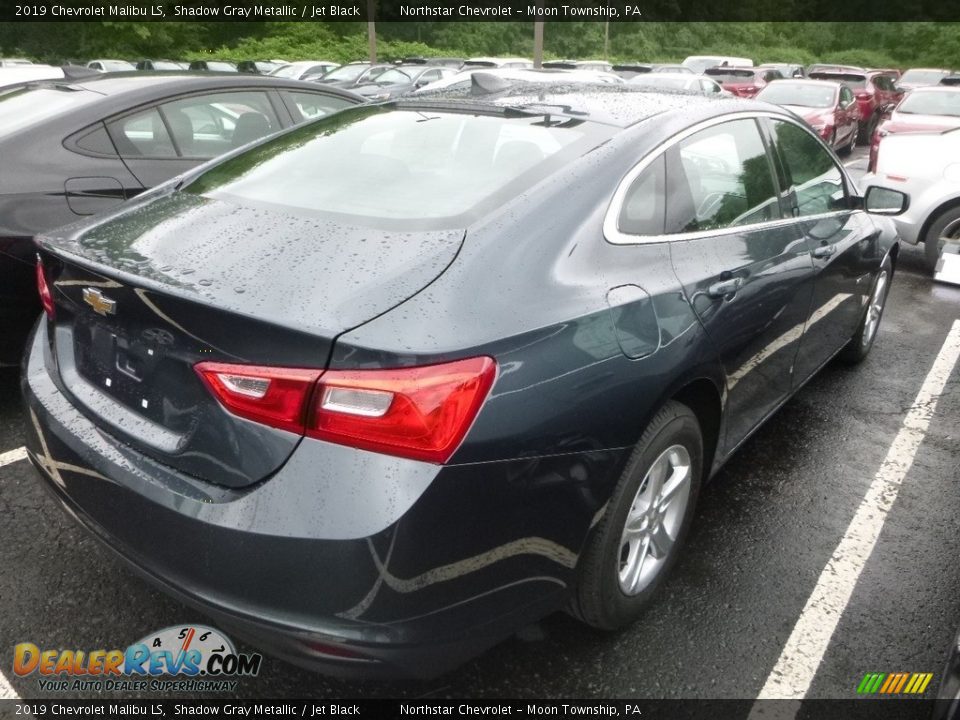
x,y
939,228
859,345
599,600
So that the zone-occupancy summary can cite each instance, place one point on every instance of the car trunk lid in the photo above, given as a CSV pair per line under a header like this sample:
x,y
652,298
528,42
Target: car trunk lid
x,y
144,296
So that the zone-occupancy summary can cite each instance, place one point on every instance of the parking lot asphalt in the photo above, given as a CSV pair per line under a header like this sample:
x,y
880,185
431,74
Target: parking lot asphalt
x,y
765,529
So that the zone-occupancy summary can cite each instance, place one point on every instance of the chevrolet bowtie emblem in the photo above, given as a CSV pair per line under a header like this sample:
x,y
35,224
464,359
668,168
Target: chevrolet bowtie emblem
x,y
100,303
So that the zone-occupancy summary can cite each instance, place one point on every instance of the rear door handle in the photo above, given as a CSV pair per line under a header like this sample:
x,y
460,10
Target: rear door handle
x,y
824,251
724,288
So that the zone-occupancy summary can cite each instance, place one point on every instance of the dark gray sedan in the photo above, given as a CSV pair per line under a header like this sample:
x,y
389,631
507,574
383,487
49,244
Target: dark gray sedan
x,y
386,387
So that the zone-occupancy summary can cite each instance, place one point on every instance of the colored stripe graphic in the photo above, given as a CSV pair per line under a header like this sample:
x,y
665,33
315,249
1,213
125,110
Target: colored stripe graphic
x,y
894,683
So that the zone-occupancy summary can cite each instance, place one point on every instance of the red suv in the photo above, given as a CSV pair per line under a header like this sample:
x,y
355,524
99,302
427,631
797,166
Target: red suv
x,y
743,81
876,91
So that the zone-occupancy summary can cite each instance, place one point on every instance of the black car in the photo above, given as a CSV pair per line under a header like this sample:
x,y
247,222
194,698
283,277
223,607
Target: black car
x,y
75,148
161,65
258,67
382,389
213,66
401,80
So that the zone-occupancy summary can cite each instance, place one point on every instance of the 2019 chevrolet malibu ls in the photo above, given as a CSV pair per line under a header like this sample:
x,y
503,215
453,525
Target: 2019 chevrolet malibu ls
x,y
383,388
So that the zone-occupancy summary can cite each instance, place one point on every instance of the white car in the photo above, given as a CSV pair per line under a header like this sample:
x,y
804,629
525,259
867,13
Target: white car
x,y
699,63
926,166
680,81
111,65
463,80
305,68
14,62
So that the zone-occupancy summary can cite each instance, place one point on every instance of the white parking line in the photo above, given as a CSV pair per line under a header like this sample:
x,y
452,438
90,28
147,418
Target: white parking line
x,y
13,456
801,657
6,690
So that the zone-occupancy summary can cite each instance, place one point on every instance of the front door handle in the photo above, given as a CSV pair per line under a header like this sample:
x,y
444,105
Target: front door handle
x,y
724,288
824,251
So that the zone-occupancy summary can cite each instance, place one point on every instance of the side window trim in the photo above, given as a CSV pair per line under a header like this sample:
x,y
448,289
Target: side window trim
x,y
777,171
614,236
787,193
848,187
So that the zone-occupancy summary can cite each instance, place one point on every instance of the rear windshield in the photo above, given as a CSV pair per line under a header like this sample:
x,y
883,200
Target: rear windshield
x,y
346,72
395,77
932,103
851,79
31,105
417,169
784,93
724,75
929,77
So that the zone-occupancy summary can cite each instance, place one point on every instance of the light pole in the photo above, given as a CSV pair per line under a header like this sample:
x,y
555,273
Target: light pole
x,y
372,29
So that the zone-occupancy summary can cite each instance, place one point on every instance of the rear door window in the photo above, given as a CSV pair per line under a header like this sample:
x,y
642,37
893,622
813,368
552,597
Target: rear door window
x,y
720,177
205,126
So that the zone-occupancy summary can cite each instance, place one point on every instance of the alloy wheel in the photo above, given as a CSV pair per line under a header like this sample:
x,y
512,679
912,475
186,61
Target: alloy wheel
x,y
654,521
875,309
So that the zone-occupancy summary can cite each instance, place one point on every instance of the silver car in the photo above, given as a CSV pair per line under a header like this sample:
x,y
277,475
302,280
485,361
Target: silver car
x,y
926,166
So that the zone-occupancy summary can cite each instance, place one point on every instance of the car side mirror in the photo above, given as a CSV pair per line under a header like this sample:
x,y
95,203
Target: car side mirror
x,y
884,201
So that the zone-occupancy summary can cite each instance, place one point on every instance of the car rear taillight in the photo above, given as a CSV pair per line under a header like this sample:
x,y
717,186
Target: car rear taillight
x,y
419,412
46,297
863,96
270,395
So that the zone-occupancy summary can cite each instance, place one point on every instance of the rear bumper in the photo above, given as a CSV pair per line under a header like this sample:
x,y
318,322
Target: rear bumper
x,y
411,568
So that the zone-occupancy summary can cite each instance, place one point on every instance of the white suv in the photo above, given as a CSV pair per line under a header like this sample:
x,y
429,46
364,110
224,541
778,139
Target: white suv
x,y
926,166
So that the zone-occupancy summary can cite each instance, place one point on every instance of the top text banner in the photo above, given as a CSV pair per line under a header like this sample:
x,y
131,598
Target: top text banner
x,y
614,11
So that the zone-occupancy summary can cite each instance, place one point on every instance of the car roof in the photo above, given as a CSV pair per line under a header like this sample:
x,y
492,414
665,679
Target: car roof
x,y
619,105
122,82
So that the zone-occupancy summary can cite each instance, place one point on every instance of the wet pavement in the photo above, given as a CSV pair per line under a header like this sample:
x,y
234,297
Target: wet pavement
x,y
765,528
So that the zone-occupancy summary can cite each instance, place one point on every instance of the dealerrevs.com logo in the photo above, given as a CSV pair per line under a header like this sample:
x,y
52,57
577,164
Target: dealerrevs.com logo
x,y
191,658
